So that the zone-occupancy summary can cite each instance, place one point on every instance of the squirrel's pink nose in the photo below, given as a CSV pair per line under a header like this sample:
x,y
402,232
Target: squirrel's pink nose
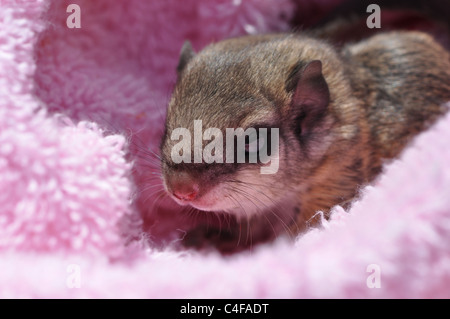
x,y
185,195
184,187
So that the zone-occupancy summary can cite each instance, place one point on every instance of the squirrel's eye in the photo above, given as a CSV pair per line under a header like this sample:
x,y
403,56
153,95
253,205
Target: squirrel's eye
x,y
255,145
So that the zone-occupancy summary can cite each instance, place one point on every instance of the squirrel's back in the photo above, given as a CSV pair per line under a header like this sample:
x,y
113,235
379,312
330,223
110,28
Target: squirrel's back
x,y
403,79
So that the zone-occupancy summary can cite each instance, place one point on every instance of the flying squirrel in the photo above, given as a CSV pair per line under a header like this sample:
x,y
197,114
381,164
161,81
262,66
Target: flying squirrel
x,y
340,113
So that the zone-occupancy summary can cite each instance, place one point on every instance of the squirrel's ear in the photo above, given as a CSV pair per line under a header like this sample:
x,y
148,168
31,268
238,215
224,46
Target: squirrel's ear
x,y
187,53
309,86
310,95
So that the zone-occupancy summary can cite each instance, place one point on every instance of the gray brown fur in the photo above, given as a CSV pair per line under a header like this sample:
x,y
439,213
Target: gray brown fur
x,y
383,91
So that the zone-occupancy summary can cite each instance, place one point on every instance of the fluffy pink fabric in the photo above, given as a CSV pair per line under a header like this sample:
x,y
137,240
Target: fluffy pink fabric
x,y
71,197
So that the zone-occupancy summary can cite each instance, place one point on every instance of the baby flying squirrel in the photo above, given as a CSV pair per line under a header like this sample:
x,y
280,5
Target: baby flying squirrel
x,y
339,114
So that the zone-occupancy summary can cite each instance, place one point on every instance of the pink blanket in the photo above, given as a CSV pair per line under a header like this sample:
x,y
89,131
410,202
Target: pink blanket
x,y
81,110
